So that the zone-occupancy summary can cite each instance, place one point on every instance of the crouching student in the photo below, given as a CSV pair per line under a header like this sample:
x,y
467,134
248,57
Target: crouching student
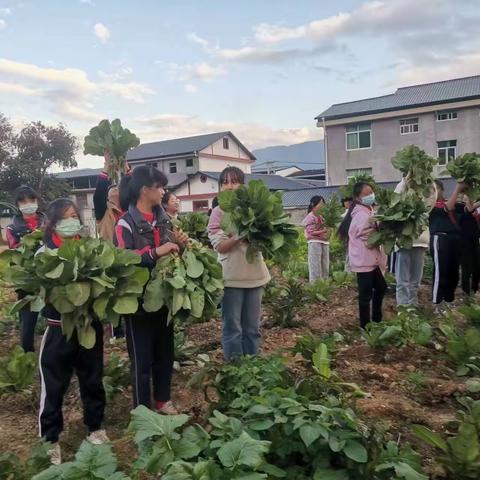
x,y
29,219
244,281
368,263
60,357
146,229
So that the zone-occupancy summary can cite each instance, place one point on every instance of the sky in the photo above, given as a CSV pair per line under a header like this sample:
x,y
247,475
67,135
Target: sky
x,y
260,68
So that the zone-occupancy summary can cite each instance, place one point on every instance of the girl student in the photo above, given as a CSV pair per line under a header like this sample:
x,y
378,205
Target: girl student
x,y
317,239
244,282
29,219
59,357
146,229
368,263
171,204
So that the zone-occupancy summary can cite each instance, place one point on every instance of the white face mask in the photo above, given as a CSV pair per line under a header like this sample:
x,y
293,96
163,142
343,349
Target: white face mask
x,y
29,208
68,227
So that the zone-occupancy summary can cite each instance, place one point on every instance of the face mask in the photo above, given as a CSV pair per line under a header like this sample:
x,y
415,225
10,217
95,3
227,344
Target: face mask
x,y
368,199
68,227
29,208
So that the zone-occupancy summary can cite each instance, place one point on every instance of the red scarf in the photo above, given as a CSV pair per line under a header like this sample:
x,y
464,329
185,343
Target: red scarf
x,y
58,240
32,222
450,213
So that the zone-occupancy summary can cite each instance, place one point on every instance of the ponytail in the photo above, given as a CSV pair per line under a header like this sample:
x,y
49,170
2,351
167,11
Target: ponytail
x,y
124,192
344,227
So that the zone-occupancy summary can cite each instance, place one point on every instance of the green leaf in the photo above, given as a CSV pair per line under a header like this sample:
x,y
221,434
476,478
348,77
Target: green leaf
x,y
126,305
310,433
355,451
243,451
433,439
78,293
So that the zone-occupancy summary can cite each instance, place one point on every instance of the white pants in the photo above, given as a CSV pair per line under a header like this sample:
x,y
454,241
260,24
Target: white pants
x,y
318,260
408,273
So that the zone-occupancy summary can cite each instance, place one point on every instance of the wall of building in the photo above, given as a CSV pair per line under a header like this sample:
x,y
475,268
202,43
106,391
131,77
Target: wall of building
x,y
208,164
386,140
199,187
234,149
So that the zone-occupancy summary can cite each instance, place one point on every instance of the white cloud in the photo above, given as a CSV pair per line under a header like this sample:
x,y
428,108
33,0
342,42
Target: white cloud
x,y
4,12
190,88
3,23
198,40
206,72
116,76
17,89
102,32
87,2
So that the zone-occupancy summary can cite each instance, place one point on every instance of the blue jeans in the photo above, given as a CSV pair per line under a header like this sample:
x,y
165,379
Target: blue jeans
x,y
241,313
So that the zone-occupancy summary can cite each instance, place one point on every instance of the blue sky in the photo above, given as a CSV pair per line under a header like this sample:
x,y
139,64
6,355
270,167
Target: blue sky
x,y
262,69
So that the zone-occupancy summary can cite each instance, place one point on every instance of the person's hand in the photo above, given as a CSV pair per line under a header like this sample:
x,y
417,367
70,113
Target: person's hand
x,y
126,168
461,186
167,248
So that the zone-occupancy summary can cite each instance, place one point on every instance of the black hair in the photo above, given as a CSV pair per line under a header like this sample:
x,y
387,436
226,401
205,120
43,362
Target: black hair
x,y
439,184
346,199
131,185
314,201
343,228
24,192
55,212
166,198
234,174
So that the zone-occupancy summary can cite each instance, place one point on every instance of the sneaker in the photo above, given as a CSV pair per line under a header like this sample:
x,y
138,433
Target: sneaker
x,y
98,437
167,408
55,454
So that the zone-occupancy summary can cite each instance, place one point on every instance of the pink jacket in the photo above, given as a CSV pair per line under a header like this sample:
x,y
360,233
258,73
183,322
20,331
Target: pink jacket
x,y
311,224
361,257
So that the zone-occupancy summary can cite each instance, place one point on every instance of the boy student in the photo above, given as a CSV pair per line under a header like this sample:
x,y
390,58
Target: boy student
x,y
244,281
28,220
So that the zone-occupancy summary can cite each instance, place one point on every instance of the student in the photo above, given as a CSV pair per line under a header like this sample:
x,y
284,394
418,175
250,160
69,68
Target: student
x,y
244,281
171,204
409,261
368,263
445,245
28,220
59,357
317,239
146,229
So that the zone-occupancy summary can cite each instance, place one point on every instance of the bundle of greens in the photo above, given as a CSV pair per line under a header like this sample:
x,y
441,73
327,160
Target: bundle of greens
x,y
114,139
466,168
346,191
84,280
194,224
415,164
402,219
256,215
331,212
190,285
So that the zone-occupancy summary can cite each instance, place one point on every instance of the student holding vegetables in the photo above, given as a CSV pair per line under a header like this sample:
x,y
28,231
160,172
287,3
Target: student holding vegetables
x,y
59,357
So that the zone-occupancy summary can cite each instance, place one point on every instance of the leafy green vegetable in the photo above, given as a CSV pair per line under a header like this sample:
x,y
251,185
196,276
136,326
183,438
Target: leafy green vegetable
x,y
116,375
194,224
346,191
466,168
190,285
114,139
331,212
418,166
17,370
12,468
256,215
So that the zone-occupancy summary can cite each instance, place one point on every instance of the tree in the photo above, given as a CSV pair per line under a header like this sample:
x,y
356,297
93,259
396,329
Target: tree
x,y
6,138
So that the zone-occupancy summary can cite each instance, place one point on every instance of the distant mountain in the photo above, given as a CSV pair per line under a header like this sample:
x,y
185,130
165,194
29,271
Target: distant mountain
x,y
307,155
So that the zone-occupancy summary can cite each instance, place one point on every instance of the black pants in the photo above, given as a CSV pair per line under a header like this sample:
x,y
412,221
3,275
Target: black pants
x,y
445,251
151,351
371,290
470,262
28,322
59,357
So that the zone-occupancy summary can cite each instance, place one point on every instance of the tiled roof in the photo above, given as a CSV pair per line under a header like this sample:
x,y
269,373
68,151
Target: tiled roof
x,y
416,95
81,172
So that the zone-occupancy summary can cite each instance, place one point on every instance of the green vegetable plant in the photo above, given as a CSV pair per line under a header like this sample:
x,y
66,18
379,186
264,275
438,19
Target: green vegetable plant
x,y
12,468
466,168
288,303
307,344
331,212
190,285
256,215
116,375
471,312
17,370
113,139
346,191
194,224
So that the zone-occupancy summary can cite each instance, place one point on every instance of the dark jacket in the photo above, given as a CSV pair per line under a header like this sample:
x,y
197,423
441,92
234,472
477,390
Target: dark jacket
x,y
442,221
135,233
100,196
19,229
49,312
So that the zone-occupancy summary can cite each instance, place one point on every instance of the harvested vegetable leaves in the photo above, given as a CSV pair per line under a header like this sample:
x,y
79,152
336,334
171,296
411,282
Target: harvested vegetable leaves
x,y
346,191
194,224
114,139
256,215
418,166
402,218
331,212
190,285
466,168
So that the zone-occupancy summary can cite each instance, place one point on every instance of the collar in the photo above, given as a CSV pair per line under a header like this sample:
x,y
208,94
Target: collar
x,y
159,217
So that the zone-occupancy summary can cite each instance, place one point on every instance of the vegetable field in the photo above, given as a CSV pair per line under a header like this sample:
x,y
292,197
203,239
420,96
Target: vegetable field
x,y
324,401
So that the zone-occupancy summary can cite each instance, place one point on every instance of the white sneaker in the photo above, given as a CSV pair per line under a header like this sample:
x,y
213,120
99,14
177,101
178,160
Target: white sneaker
x,y
168,409
98,437
55,454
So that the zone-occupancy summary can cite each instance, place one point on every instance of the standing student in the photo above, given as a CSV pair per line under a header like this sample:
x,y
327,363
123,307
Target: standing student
x,y
60,357
171,204
317,239
409,261
28,220
146,229
244,281
368,263
445,245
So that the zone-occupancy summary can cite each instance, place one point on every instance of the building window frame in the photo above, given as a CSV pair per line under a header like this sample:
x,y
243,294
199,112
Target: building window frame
x,y
409,126
189,162
353,172
446,151
200,205
446,115
172,167
226,143
355,131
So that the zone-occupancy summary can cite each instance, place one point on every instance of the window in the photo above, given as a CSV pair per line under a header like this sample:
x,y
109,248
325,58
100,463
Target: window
x,y
225,143
358,136
82,202
408,125
189,162
172,167
446,115
353,172
200,205
446,151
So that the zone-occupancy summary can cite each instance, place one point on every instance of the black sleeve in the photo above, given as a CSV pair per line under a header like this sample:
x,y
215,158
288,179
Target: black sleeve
x,y
100,196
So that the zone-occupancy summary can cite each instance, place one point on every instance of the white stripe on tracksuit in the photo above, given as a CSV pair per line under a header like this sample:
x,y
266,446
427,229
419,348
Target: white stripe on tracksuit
x,y
436,280
43,394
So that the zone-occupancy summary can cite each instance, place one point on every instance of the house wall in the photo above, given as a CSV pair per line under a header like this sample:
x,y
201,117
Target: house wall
x,y
386,140
208,164
196,190
297,214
